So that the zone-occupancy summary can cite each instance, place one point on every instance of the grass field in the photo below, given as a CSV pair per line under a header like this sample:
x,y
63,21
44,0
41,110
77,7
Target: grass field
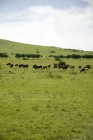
x,y
52,104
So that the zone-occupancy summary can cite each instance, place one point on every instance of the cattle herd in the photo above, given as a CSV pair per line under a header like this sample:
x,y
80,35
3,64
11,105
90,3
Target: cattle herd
x,y
18,65
47,66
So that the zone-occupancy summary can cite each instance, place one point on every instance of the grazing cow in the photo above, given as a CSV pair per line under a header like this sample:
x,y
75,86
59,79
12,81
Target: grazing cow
x,y
44,67
11,65
37,67
40,67
25,66
16,65
20,65
49,66
34,66
8,64
64,67
55,66
84,69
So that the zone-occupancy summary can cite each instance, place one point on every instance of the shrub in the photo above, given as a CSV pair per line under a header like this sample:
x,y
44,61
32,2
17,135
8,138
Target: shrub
x,y
52,51
88,66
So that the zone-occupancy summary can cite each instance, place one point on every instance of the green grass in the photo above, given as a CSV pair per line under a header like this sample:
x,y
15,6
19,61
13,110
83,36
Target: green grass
x,y
51,104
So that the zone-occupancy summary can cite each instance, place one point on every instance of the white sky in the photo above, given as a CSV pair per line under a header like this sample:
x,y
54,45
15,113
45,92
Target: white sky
x,y
57,23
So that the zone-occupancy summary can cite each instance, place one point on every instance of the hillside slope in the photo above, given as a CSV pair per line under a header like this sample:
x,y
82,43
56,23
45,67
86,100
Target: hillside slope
x,y
15,47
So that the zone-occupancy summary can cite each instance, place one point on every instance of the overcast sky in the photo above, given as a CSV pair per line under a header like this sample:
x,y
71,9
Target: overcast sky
x,y
60,23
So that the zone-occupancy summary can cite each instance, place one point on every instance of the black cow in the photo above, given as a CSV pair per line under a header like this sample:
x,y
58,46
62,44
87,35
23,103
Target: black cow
x,y
11,65
40,67
34,66
49,66
55,66
8,64
25,65
20,65
16,65
64,67
37,67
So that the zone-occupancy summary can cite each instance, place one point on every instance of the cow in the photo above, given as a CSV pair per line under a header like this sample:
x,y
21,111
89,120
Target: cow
x,y
55,66
40,67
63,67
25,65
84,69
11,65
8,64
49,66
44,67
20,65
16,65
37,67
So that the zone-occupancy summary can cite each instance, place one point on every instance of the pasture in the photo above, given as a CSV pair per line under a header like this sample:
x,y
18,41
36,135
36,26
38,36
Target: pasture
x,y
45,104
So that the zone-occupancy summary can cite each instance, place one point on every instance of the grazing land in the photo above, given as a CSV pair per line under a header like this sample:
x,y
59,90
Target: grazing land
x,y
45,104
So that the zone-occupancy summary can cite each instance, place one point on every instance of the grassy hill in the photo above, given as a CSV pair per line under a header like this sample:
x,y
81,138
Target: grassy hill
x,y
45,104
14,47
